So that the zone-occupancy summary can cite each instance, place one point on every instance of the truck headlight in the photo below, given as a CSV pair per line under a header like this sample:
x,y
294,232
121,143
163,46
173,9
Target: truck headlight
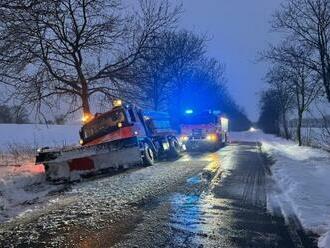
x,y
184,138
166,146
212,137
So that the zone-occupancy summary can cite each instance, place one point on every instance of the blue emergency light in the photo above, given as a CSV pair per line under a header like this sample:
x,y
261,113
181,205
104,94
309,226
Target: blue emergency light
x,y
189,111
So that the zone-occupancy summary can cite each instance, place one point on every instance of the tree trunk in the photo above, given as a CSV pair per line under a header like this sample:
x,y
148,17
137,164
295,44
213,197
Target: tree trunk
x,y
299,128
325,73
327,86
85,98
285,126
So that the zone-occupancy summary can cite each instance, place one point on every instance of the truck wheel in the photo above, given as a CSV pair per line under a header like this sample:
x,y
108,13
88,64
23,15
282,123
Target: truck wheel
x,y
148,155
226,139
175,148
48,176
216,147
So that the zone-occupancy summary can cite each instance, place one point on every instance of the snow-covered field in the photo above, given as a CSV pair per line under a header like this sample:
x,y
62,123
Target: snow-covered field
x,y
316,137
18,143
301,177
34,135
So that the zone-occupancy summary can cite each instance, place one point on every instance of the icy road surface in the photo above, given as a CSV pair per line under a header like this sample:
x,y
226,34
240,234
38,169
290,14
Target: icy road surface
x,y
207,200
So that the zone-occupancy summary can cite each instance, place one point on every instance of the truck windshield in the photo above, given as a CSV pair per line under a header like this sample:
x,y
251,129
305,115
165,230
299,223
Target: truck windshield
x,y
104,123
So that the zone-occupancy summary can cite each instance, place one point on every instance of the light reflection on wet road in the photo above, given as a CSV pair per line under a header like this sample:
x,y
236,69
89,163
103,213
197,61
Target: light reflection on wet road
x,y
201,200
229,211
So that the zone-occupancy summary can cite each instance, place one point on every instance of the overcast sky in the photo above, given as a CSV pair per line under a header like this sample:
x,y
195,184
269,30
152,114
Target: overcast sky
x,y
239,29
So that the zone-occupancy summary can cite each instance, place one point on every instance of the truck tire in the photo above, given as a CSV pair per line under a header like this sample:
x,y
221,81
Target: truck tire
x,y
175,148
48,177
226,138
216,147
148,155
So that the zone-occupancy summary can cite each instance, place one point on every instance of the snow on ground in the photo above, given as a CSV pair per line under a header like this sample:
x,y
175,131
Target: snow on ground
x,y
316,137
302,181
301,173
92,205
20,187
21,182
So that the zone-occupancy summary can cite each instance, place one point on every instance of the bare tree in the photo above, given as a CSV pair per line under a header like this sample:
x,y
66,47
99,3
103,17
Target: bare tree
x,y
208,86
300,78
18,4
54,50
13,114
188,51
308,23
270,112
281,90
176,54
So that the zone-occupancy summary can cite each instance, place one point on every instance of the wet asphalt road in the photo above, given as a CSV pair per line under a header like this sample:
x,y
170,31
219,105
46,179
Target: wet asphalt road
x,y
201,200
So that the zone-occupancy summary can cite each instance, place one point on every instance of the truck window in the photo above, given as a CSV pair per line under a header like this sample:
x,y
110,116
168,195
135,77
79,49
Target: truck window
x,y
104,123
131,115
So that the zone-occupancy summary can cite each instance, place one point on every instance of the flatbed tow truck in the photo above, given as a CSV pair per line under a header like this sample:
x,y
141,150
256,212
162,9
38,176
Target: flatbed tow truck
x,y
123,137
207,130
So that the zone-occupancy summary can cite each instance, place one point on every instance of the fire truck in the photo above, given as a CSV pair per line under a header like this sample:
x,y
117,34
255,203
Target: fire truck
x,y
207,130
123,137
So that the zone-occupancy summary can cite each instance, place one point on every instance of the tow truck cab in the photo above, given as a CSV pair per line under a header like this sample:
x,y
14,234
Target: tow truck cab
x,y
206,130
125,122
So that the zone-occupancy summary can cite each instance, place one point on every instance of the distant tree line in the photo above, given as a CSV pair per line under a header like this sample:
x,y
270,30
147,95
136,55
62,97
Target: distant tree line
x,y
20,115
76,53
13,114
300,65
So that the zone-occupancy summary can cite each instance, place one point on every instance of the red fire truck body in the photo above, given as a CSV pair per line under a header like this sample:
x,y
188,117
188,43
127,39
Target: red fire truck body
x,y
204,131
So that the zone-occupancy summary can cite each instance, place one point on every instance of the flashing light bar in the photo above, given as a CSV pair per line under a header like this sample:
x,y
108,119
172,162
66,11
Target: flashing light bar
x,y
189,111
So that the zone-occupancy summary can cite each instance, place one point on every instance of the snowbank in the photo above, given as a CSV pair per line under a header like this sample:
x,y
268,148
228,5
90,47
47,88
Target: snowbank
x,y
302,176
20,187
316,137
38,135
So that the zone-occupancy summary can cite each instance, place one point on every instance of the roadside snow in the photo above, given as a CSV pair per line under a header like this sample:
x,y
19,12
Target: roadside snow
x,y
92,205
302,182
21,182
316,137
20,187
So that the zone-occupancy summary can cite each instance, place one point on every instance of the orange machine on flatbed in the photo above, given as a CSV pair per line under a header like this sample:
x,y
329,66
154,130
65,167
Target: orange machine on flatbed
x,y
123,137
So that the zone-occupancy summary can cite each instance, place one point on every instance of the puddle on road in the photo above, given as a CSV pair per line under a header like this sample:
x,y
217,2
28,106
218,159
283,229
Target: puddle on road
x,y
185,218
185,211
194,180
196,220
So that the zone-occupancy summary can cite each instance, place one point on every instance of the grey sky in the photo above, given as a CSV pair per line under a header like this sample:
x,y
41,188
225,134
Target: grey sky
x,y
239,29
